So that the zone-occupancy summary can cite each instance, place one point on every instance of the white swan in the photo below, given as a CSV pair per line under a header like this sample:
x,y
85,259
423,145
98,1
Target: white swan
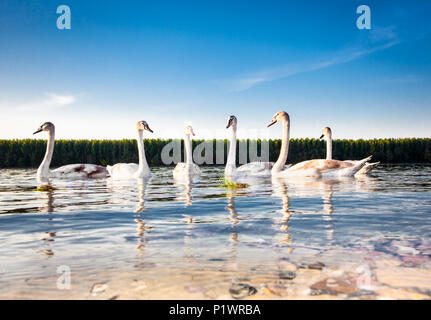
x,y
327,132
132,170
187,168
314,168
260,169
71,171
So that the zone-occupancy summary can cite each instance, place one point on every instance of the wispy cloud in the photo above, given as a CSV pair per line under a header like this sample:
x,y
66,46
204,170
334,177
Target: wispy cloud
x,y
404,79
52,100
379,39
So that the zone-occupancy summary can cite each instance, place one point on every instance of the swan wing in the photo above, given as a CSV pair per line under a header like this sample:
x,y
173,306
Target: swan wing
x,y
123,170
80,171
256,168
367,168
186,169
320,167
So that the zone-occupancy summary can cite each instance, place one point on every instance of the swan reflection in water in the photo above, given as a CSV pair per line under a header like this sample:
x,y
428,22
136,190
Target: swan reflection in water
x,y
233,214
303,187
49,236
46,190
185,186
128,191
280,189
46,195
234,221
141,227
142,188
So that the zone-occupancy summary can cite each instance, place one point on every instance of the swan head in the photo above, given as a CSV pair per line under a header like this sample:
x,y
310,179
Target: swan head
x,y
326,132
47,126
281,116
188,130
143,125
231,122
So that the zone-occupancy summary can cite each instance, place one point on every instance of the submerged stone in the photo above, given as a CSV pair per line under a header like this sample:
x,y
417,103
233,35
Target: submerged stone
x,y
98,288
334,286
287,275
241,290
216,259
316,266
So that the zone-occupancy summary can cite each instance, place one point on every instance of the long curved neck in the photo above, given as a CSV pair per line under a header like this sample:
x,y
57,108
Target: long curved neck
x,y
43,170
329,147
279,165
231,157
188,147
143,165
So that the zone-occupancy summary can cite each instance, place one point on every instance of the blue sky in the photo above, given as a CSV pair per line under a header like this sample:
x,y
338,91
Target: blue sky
x,y
171,62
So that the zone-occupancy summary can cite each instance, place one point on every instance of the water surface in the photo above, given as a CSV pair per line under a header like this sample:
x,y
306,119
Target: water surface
x,y
197,238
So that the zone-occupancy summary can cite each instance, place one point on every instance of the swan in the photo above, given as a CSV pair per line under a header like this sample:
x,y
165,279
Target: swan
x,y
74,171
250,169
188,168
132,170
261,169
314,168
327,132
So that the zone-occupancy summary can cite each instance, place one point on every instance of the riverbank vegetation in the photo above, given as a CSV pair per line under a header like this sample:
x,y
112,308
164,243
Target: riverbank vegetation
x,y
29,152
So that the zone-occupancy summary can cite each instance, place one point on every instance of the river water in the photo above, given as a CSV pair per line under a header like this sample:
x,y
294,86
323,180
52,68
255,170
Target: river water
x,y
160,238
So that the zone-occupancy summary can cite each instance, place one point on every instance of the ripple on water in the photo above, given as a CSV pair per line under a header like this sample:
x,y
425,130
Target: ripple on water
x,y
201,228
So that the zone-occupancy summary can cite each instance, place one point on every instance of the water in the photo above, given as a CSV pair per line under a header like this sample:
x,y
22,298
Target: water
x,y
192,240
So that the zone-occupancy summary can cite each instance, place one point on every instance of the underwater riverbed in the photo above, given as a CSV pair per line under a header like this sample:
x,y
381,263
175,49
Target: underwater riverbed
x,y
364,238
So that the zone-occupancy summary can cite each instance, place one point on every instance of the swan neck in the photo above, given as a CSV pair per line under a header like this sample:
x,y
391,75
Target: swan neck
x,y
231,157
329,147
143,165
279,165
188,149
43,170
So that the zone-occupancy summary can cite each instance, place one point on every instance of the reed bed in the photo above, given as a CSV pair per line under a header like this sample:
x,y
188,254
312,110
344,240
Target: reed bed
x,y
28,153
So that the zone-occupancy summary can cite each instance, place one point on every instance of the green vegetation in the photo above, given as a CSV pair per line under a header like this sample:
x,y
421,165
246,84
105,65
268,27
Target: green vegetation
x,y
230,184
45,187
29,152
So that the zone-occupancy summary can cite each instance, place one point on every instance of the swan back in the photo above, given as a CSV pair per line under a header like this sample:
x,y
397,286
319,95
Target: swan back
x,y
123,171
326,168
79,171
133,170
187,168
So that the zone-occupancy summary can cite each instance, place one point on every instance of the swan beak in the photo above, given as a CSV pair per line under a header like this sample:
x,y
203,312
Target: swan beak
x,y
229,123
148,129
321,136
37,131
193,134
271,123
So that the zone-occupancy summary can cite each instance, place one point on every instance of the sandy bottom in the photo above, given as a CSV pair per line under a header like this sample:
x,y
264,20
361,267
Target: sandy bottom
x,y
365,277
